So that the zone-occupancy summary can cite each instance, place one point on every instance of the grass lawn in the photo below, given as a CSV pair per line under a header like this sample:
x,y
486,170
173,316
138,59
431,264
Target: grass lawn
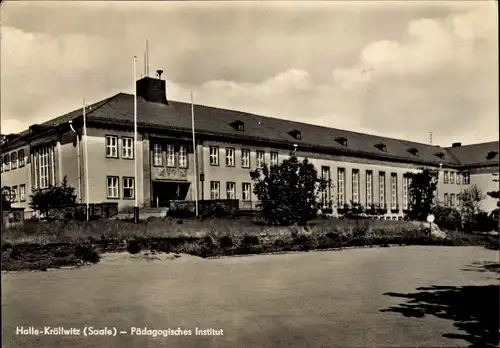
x,y
400,296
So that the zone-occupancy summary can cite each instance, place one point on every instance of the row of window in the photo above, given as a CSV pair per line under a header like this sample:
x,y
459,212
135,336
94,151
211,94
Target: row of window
x,y
113,187
230,190
245,157
19,193
170,155
368,187
12,161
126,146
454,177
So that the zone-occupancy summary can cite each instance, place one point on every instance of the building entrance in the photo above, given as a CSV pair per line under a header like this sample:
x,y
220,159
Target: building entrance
x,y
166,191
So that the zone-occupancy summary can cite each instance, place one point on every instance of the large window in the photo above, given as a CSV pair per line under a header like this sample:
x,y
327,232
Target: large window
x,y
183,162
44,165
355,186
22,193
128,148
111,146
274,159
230,190
229,157
452,178
245,191
326,192
157,155
394,191
20,158
452,200
381,188
6,162
369,188
170,155
259,159
446,200
245,158
214,156
214,190
16,193
341,187
445,177
13,160
128,188
466,178
406,195
112,187
457,178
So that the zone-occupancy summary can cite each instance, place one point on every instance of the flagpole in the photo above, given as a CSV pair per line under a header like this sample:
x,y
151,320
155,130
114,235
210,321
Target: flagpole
x,y
136,207
195,160
87,186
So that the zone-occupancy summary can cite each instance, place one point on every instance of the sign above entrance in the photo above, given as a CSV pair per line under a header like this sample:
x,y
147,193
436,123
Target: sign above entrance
x,y
169,173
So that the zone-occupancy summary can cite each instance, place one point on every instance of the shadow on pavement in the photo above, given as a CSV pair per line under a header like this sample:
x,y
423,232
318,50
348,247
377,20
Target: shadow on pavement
x,y
473,309
483,266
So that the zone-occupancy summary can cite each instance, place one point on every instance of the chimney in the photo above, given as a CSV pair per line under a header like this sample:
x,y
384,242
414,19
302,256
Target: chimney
x,y
456,144
152,89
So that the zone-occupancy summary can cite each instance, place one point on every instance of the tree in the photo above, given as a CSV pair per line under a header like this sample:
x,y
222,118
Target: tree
x,y
7,197
495,213
470,205
421,191
288,193
53,200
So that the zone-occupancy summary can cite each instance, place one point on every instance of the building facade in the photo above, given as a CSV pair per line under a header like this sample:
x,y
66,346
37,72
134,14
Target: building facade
x,y
362,168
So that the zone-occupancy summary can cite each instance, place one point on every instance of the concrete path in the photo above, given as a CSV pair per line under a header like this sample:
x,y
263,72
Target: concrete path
x,y
397,297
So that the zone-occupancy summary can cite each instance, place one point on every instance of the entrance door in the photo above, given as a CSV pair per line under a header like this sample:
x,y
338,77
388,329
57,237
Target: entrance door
x,y
166,191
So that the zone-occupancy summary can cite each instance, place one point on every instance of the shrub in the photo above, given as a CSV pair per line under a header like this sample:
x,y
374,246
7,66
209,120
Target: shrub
x,y
421,191
447,217
250,240
52,201
288,193
226,242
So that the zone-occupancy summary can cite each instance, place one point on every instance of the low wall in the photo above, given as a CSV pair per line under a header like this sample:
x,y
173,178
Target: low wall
x,y
12,217
207,207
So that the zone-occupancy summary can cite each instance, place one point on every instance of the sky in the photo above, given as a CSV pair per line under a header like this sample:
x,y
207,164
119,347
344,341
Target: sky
x,y
398,69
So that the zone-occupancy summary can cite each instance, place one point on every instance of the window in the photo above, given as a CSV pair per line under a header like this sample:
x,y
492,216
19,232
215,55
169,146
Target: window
x,y
6,162
381,188
43,160
22,193
445,199
20,158
341,187
183,162
369,188
112,186
245,158
406,185
355,186
245,191
157,155
394,191
274,159
170,155
128,188
128,148
260,159
13,160
229,157
214,156
452,178
231,190
457,178
214,189
326,192
15,191
111,146
445,178
452,200
466,178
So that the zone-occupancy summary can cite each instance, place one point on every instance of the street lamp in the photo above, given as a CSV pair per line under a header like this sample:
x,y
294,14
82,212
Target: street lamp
x,y
70,122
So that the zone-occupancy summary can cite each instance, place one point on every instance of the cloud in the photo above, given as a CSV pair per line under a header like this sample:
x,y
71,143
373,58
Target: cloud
x,y
422,69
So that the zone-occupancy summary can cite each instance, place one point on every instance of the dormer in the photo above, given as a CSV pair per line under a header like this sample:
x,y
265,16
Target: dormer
x,y
10,137
35,128
491,155
341,140
439,154
381,147
296,134
413,151
238,125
